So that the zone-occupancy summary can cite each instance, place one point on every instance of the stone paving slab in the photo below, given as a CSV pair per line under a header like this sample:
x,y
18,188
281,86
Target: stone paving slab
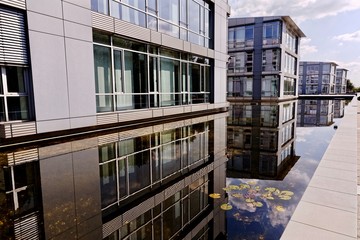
x,y
326,218
300,231
329,198
329,207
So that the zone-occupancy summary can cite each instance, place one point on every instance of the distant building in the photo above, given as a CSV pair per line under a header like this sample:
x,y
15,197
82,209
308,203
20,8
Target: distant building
x,y
341,79
69,64
316,112
264,58
317,77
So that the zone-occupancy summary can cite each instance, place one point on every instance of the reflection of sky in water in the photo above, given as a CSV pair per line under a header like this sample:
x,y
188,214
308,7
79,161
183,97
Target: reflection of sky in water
x,y
267,222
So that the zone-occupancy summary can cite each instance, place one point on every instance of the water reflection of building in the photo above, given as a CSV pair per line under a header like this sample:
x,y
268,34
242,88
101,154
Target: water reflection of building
x,y
261,139
151,182
316,112
339,108
20,195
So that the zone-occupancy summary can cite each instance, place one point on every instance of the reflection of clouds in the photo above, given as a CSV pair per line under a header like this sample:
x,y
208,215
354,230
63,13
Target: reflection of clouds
x,y
280,218
303,133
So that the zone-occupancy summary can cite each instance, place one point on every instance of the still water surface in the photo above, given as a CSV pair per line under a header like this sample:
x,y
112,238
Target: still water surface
x,y
237,175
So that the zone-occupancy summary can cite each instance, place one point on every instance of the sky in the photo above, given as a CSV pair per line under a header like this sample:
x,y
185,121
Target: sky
x,y
332,28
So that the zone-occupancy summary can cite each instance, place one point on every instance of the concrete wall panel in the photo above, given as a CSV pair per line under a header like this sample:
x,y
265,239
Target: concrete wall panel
x,y
48,7
49,76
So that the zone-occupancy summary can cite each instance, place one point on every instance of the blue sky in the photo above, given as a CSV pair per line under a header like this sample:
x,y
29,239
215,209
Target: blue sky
x,y
332,28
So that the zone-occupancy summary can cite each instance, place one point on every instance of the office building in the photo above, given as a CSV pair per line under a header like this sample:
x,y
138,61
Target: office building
x,y
264,58
68,65
341,80
317,77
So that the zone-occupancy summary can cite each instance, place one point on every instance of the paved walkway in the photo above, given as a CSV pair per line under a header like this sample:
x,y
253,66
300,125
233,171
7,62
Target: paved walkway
x,y
329,207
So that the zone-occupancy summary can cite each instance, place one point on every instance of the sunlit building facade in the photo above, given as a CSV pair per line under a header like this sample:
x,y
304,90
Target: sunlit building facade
x,y
317,77
264,58
69,65
341,80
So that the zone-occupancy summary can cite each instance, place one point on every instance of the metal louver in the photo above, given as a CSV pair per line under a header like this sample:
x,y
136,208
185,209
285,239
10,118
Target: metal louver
x,y
13,46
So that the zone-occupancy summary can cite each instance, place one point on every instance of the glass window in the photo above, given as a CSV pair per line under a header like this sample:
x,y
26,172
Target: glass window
x,y
169,10
140,4
170,79
17,108
269,86
183,13
108,183
157,77
172,221
152,6
2,110
101,6
139,171
102,61
194,12
15,79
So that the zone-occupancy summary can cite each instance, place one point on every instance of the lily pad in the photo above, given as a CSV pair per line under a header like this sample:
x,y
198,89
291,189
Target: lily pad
x,y
227,189
226,206
258,204
287,193
270,189
251,183
234,187
244,186
249,200
280,208
285,197
214,195
237,195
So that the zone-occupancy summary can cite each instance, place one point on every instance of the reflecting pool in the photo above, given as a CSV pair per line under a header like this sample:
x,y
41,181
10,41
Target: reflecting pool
x,y
234,175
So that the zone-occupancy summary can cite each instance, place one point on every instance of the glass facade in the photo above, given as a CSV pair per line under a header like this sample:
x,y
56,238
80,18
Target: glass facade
x,y
271,33
188,20
139,164
270,86
271,60
239,37
240,86
241,62
133,75
166,219
14,93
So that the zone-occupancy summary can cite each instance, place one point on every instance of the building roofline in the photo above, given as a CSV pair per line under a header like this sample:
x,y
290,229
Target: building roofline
x,y
250,20
293,25
318,62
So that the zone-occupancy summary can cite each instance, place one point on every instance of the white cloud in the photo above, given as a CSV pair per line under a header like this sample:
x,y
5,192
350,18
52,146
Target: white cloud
x,y
306,47
298,10
349,37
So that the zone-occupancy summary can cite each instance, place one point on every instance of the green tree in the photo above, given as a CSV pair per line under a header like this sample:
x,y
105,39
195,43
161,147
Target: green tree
x,y
349,86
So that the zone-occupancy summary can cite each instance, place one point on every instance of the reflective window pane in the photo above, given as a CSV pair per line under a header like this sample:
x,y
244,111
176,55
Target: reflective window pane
x,y
17,108
102,61
100,6
108,183
2,110
169,10
104,103
139,171
15,79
